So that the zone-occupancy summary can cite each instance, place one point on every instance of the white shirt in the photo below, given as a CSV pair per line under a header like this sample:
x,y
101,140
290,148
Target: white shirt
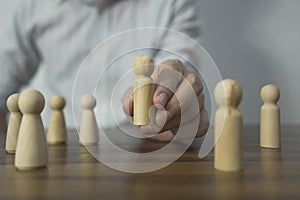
x,y
49,40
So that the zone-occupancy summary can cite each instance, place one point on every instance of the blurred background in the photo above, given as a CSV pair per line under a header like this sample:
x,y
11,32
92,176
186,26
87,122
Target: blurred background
x,y
255,42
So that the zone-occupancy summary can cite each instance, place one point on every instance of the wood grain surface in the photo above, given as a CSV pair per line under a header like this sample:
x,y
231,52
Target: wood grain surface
x,y
73,173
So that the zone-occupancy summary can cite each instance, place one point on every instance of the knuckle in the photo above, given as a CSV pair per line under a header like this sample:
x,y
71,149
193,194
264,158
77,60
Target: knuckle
x,y
195,81
174,64
192,78
169,80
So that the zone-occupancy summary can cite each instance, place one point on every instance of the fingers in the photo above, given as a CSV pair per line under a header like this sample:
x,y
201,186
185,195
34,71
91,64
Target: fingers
x,y
158,121
183,119
187,98
188,114
174,123
127,102
182,107
189,88
168,75
166,136
178,100
188,123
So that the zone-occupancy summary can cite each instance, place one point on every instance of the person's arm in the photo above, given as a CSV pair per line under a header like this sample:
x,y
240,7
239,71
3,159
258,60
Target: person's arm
x,y
179,90
185,20
19,57
185,27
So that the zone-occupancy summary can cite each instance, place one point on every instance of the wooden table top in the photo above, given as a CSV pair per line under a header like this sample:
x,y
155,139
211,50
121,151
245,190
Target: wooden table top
x,y
73,173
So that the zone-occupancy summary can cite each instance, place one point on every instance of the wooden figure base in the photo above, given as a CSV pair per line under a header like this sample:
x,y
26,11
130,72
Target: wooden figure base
x,y
11,151
269,147
56,143
30,168
88,144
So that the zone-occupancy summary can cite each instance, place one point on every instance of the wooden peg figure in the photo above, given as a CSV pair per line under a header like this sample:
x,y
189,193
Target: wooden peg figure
x,y
13,123
228,127
57,132
143,90
88,133
270,117
32,151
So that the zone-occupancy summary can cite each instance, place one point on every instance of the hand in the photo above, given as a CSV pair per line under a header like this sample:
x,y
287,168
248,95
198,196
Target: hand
x,y
173,96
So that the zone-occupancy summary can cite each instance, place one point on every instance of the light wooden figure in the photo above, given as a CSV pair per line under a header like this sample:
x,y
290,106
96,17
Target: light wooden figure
x,y
88,134
57,132
143,90
13,124
32,151
270,117
228,127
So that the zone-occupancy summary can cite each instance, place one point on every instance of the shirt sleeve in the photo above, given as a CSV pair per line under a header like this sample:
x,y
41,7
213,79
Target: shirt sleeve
x,y
18,54
185,26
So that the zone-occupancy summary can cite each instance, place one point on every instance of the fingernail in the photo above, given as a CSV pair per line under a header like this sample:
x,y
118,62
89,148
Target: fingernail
x,y
163,98
161,118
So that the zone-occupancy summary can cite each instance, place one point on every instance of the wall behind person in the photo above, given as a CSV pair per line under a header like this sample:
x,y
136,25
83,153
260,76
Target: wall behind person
x,y
255,42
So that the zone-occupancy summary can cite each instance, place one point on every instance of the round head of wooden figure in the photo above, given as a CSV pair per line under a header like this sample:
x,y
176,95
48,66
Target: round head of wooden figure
x,y
31,102
12,103
228,93
143,66
88,102
57,102
270,94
